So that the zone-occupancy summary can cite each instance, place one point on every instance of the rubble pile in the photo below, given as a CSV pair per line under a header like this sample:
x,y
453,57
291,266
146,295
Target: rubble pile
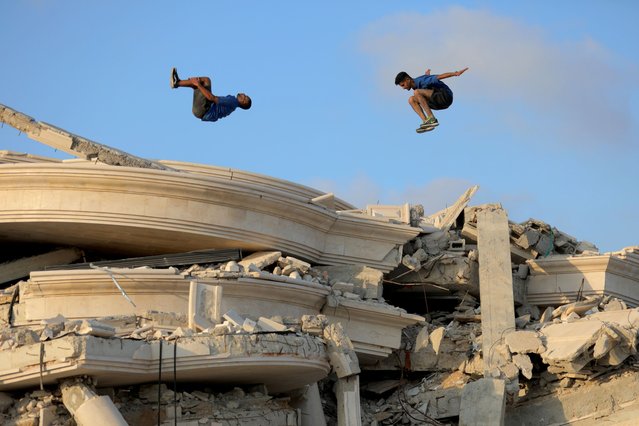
x,y
140,405
350,282
534,238
572,346
173,293
29,409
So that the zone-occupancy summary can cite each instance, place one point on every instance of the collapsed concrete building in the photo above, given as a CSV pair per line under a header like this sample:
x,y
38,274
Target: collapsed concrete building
x,y
157,292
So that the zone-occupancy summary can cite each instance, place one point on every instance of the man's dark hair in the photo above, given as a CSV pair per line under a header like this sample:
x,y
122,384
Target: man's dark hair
x,y
248,104
401,77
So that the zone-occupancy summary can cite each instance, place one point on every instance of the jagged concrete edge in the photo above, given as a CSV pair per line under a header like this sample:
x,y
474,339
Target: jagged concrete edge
x,y
80,146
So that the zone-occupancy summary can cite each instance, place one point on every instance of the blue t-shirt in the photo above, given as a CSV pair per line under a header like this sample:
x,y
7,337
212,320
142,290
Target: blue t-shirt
x,y
225,105
430,82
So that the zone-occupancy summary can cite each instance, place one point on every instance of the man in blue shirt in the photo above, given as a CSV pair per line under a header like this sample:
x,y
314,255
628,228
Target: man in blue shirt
x,y
206,105
430,93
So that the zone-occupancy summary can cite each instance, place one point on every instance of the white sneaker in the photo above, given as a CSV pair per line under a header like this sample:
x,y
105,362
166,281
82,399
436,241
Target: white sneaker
x,y
174,78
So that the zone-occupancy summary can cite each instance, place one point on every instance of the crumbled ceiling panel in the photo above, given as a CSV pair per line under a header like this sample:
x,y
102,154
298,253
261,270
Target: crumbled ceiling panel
x,y
71,144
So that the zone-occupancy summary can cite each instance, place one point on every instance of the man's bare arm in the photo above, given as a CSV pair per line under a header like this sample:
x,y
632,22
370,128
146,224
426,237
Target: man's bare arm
x,y
451,74
206,92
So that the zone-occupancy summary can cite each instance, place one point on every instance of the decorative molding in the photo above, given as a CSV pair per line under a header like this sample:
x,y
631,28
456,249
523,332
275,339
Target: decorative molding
x,y
122,209
282,362
558,279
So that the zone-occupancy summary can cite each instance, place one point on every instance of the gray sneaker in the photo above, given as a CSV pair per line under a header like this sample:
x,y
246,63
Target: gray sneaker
x,y
421,129
174,78
430,122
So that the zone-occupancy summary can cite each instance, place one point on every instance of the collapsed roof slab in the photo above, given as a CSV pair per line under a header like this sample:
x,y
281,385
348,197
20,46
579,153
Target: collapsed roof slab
x,y
594,403
21,268
72,144
281,362
559,279
135,211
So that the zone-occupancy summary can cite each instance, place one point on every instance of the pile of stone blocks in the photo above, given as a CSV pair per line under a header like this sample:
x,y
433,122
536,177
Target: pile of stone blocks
x,y
374,316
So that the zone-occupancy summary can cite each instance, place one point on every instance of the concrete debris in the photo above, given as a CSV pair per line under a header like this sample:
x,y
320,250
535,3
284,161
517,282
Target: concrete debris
x,y
269,325
483,402
138,405
293,264
72,144
314,324
524,342
367,281
436,337
377,316
422,340
234,318
21,268
609,399
607,337
260,259
445,219
88,408
341,352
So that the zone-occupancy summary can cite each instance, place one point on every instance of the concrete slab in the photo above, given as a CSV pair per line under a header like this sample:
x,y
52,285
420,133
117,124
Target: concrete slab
x,y
483,403
261,259
524,342
567,341
281,362
72,144
591,404
21,268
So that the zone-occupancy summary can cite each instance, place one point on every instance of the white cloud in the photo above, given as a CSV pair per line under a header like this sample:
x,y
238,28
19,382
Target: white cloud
x,y
577,89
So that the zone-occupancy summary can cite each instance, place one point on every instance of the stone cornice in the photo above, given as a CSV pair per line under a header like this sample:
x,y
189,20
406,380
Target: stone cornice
x,y
188,211
282,362
373,313
608,263
256,180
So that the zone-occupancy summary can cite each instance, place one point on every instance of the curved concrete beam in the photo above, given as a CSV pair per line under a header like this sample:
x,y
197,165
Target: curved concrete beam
x,y
374,328
282,362
134,211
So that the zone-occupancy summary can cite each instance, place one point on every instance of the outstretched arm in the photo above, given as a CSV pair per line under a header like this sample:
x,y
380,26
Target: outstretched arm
x,y
451,74
197,81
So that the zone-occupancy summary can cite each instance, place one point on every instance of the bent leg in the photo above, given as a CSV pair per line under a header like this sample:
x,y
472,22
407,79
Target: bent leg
x,y
201,105
190,82
422,96
414,103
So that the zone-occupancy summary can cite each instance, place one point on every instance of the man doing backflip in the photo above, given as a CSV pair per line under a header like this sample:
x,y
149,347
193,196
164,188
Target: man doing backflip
x,y
206,105
430,93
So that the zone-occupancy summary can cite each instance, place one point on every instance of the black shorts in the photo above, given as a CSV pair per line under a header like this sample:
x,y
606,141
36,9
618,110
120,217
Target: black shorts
x,y
440,99
201,105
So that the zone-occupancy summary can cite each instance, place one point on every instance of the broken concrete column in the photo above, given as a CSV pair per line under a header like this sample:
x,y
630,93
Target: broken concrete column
x,y
88,408
309,402
495,282
343,359
349,412
341,353
483,403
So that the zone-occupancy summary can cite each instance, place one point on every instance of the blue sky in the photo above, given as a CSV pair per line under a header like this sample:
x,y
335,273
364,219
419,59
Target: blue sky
x,y
546,120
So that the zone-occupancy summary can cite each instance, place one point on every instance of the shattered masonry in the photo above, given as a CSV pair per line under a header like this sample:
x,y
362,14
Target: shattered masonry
x,y
157,292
